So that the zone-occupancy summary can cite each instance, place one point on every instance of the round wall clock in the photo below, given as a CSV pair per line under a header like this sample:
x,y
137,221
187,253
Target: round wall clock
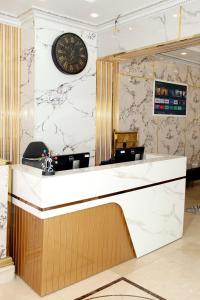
x,y
69,53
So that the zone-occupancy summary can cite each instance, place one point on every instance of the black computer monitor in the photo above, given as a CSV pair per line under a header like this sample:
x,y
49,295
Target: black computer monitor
x,y
81,160
71,161
129,154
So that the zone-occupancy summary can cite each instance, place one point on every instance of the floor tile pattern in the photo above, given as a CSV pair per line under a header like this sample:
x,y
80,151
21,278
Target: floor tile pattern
x,y
122,289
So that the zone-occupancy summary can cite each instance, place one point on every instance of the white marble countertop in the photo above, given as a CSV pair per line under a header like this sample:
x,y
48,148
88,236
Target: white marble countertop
x,y
150,158
75,185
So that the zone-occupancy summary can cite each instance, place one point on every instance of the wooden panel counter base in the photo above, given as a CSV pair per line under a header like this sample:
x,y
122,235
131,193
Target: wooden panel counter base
x,y
53,253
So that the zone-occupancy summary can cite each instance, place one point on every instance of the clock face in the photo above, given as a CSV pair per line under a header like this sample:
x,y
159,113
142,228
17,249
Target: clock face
x,y
69,53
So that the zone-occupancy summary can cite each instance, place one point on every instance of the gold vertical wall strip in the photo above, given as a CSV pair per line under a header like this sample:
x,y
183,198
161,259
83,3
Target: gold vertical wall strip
x,y
98,112
1,84
107,107
109,111
180,18
9,92
104,110
115,97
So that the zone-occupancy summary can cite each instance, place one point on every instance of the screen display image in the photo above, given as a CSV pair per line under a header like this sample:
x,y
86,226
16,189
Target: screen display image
x,y
170,98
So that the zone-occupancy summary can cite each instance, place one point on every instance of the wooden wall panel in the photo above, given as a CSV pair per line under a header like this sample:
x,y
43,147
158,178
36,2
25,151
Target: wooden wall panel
x,y
28,247
54,253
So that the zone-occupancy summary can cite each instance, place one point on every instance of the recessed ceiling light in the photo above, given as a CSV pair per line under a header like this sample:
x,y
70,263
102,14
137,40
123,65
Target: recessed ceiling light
x,y
94,15
183,53
91,1
175,15
130,28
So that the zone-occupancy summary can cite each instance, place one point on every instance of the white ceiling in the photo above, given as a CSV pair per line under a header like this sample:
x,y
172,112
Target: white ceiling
x,y
192,55
81,9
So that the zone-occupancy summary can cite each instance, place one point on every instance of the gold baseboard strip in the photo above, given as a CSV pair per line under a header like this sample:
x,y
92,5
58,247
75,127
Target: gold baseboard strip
x,y
5,262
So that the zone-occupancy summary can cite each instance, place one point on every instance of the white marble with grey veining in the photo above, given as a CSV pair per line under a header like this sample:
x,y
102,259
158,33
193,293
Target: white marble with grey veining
x,y
3,209
138,33
190,18
27,84
159,27
63,105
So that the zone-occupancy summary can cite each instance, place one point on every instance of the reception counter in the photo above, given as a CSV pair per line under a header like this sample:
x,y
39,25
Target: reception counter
x,y
79,222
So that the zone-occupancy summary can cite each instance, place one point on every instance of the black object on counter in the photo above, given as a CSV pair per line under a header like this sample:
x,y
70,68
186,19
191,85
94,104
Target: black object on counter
x,y
71,161
36,154
124,155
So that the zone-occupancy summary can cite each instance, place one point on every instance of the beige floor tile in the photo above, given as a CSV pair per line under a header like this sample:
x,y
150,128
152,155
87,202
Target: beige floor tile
x,y
17,289
85,286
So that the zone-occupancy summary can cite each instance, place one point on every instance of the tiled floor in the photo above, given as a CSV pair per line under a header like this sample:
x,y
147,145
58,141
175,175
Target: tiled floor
x,y
171,272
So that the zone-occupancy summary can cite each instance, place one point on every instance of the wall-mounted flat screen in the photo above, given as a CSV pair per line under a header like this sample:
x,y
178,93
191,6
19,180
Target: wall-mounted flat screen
x,y
170,98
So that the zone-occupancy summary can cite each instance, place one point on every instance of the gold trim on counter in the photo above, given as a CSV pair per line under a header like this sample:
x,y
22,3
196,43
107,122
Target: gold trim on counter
x,y
93,198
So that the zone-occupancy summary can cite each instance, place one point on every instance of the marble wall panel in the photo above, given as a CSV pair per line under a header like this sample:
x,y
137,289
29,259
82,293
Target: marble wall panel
x,y
153,29
161,134
3,209
64,105
193,126
143,68
27,84
136,111
191,18
171,135
168,70
193,76
159,27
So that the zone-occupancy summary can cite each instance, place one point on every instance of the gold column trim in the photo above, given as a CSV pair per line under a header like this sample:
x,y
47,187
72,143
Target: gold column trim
x,y
115,97
9,92
180,22
5,262
4,162
106,107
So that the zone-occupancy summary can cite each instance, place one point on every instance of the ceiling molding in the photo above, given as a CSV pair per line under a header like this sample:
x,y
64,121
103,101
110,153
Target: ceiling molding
x,y
54,17
144,11
9,19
